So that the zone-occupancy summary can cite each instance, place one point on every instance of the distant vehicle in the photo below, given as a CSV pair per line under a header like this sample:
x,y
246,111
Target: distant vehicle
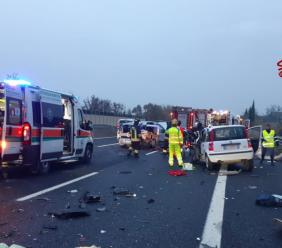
x,y
120,123
124,132
226,145
150,135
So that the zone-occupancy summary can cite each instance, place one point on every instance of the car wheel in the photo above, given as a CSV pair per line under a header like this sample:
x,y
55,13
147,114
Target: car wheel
x,y
210,166
87,154
249,165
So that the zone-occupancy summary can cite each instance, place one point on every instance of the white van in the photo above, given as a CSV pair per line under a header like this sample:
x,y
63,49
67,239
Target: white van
x,y
39,126
227,145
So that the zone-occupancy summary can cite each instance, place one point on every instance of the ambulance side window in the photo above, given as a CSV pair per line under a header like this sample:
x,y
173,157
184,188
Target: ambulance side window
x,y
52,115
80,119
14,114
36,114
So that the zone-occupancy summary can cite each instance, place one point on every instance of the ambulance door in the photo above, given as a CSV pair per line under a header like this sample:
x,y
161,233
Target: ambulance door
x,y
52,126
82,135
12,127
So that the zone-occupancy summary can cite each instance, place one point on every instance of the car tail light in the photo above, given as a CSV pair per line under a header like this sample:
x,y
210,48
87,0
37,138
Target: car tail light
x,y
211,146
246,133
26,134
250,144
212,136
3,145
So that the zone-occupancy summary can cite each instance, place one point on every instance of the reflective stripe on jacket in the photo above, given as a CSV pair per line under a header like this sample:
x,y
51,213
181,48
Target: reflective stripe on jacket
x,y
134,134
175,136
269,139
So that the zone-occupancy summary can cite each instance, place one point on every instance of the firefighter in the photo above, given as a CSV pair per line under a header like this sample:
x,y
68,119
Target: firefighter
x,y
135,136
175,143
268,143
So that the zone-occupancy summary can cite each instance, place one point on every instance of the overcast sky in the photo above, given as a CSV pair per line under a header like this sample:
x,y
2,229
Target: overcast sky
x,y
200,53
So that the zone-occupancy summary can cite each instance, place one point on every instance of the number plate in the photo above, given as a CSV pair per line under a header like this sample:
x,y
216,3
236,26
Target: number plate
x,y
230,147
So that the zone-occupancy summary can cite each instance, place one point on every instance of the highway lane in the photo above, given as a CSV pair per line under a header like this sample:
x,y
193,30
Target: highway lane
x,y
176,218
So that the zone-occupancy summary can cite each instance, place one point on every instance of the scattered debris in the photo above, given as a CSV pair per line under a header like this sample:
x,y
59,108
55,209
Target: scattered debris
x,y
89,198
43,199
125,172
252,187
177,173
70,215
68,206
101,209
269,200
229,173
50,227
150,201
92,246
103,231
74,191
123,192
188,167
122,229
199,239
141,187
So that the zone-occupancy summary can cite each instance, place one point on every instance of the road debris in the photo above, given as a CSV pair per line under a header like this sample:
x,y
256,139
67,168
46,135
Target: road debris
x,y
46,199
89,198
74,191
125,172
101,209
188,167
252,187
177,173
103,231
82,205
123,192
150,201
269,200
277,221
50,227
70,215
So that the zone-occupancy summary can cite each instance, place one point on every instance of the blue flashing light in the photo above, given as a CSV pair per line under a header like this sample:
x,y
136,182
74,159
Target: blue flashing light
x,y
17,82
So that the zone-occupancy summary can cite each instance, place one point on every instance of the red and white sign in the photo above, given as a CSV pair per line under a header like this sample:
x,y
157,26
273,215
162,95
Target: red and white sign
x,y
279,64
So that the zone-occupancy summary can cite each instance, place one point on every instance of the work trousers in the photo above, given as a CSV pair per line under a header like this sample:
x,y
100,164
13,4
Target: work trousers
x,y
175,149
265,151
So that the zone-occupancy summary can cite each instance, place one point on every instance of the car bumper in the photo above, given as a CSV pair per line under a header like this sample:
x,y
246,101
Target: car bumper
x,y
231,157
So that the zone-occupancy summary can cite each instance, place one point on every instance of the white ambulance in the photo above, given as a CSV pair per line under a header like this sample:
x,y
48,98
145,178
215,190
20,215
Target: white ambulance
x,y
38,126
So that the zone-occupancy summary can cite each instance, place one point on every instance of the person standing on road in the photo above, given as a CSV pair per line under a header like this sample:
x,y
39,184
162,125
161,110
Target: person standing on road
x,y
175,143
135,136
268,143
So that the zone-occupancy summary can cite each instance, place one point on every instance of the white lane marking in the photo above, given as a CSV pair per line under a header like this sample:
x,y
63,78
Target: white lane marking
x,y
28,197
213,227
105,138
108,145
150,153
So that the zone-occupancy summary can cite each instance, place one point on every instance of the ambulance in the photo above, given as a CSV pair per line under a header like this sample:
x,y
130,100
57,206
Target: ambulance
x,y
39,126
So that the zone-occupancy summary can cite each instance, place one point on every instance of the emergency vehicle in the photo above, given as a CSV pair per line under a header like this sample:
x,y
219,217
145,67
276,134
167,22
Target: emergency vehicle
x,y
219,118
38,126
189,116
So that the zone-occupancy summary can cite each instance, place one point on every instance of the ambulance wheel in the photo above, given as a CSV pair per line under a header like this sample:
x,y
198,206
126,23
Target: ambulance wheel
x,y
40,168
87,154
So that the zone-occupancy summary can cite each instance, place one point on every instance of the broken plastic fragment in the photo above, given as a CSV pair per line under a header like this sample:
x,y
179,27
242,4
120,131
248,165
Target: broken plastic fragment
x,y
70,215
89,198
102,209
103,231
73,191
150,201
123,192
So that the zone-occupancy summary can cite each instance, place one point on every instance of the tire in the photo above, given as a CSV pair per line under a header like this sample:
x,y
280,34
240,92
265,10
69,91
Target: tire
x,y
210,166
88,154
40,168
249,165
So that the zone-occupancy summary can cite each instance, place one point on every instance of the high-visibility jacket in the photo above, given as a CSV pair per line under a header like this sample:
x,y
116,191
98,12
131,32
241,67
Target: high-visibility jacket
x,y
134,134
269,139
175,136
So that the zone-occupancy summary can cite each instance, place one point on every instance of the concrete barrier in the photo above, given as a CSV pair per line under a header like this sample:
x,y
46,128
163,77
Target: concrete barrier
x,y
104,119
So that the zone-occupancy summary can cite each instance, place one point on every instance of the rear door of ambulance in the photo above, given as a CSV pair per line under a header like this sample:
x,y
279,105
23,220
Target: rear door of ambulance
x,y
52,131
11,108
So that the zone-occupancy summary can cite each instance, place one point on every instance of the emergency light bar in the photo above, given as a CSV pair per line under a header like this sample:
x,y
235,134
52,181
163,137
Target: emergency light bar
x,y
17,82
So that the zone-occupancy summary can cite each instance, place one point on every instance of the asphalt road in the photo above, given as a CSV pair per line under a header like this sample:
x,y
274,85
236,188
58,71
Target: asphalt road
x,y
165,211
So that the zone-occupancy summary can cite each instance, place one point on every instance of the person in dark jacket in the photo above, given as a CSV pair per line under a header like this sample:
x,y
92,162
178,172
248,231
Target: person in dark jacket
x,y
135,136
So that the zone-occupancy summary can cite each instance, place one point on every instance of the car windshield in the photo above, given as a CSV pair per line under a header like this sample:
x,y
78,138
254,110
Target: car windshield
x,y
126,128
229,133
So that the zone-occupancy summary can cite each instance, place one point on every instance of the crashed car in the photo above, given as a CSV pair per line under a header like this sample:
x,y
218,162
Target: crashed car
x,y
124,132
150,135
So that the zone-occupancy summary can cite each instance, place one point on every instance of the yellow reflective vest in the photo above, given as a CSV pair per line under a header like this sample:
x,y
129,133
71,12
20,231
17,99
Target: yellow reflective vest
x,y
134,134
175,136
269,139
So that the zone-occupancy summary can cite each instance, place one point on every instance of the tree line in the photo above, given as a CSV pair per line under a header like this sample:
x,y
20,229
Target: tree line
x,y
150,111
